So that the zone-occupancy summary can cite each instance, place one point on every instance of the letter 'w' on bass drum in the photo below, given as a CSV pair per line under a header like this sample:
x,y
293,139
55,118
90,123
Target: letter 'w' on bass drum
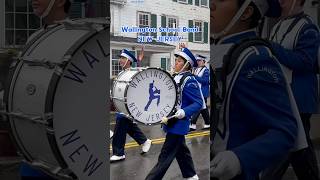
x,y
55,100
145,94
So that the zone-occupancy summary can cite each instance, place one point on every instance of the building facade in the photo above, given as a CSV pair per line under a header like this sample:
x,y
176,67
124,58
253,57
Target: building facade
x,y
156,14
312,7
18,22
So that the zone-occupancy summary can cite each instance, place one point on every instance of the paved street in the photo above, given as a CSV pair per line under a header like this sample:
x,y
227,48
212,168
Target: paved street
x,y
137,166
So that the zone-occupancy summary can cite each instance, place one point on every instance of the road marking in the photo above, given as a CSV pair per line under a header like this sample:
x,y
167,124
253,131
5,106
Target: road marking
x,y
161,140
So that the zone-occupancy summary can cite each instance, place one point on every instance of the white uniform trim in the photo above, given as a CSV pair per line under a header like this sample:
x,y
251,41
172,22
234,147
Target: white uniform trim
x,y
199,71
185,56
127,56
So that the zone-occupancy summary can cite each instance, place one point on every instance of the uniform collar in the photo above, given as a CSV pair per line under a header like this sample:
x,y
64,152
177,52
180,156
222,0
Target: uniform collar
x,y
182,73
185,72
47,26
294,15
237,37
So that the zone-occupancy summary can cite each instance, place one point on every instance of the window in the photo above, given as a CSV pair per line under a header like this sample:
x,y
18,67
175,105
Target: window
x,y
116,68
144,20
172,22
112,22
198,36
183,1
203,35
77,10
166,64
204,3
319,15
20,22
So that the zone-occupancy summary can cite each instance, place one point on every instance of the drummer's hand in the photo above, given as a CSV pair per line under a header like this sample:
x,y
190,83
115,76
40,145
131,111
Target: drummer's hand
x,y
182,45
180,114
225,165
164,120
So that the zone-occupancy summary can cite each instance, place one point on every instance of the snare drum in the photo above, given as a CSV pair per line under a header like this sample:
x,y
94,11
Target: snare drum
x,y
145,94
55,100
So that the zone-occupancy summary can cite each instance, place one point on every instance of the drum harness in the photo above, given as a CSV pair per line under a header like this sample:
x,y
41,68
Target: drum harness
x,y
92,24
301,16
219,77
172,120
219,85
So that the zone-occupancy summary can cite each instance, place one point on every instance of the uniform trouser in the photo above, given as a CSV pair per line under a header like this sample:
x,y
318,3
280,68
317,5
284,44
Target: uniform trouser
x,y
122,127
173,147
204,113
304,162
36,178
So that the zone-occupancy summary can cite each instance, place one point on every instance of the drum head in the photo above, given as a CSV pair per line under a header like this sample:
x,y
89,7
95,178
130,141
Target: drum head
x,y
56,102
80,117
151,95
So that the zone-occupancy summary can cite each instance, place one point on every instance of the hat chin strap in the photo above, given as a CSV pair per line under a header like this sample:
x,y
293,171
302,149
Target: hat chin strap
x,y
233,21
48,9
292,7
184,66
125,64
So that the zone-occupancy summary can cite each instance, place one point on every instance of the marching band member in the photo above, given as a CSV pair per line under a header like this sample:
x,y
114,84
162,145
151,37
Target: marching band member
x,y
202,75
190,102
111,134
50,11
258,122
297,38
125,125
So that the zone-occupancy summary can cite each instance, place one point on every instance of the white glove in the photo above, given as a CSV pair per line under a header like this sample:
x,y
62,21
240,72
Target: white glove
x,y
164,120
180,114
225,165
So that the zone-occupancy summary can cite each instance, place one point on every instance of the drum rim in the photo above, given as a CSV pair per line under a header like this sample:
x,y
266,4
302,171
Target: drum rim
x,y
116,80
12,128
51,92
39,38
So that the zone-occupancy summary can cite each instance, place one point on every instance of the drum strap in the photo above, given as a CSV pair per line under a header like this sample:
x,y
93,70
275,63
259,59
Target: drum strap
x,y
219,87
183,78
172,121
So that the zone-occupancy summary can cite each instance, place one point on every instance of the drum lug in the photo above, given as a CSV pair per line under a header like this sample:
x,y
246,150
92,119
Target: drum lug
x,y
89,24
14,63
40,62
57,171
66,58
50,130
58,70
44,62
120,99
35,119
121,81
128,116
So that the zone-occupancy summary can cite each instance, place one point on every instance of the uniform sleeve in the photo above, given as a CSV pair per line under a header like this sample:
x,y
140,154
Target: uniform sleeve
x,y
261,96
120,116
192,94
304,56
204,80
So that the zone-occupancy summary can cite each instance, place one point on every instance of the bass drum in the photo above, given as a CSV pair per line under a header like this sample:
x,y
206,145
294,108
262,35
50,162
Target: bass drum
x,y
145,94
55,100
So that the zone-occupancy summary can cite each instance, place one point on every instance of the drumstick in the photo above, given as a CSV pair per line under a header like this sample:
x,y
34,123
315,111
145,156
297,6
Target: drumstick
x,y
168,118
